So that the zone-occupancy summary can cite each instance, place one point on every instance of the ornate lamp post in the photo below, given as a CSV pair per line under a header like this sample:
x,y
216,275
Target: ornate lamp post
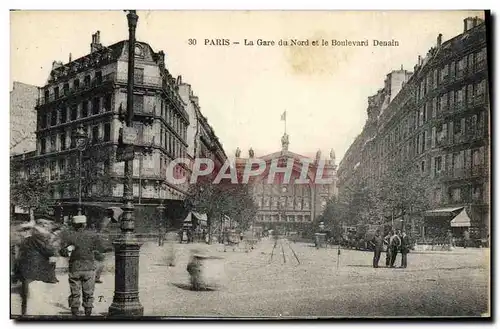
x,y
126,301
81,139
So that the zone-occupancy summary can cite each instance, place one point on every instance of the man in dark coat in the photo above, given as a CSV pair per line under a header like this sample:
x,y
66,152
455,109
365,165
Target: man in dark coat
x,y
387,241
395,244
378,246
33,263
81,246
405,249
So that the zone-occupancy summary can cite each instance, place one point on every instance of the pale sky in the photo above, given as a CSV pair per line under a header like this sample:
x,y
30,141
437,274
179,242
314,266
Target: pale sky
x,y
243,90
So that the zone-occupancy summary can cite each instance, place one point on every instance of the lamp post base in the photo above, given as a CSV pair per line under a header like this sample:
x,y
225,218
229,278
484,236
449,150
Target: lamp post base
x,y
126,301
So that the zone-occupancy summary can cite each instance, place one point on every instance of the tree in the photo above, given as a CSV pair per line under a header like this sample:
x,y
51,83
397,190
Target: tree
x,y
30,192
225,199
359,204
403,191
333,215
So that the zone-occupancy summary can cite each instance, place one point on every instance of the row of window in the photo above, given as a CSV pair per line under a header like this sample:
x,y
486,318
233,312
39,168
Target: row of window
x,y
65,140
76,84
284,202
54,117
451,70
453,99
470,161
173,118
468,193
276,189
287,218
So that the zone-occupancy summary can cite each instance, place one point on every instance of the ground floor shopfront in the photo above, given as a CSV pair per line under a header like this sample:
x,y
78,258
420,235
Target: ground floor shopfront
x,y
457,223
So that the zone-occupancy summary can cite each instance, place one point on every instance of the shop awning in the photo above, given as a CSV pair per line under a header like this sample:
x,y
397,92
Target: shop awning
x,y
461,220
200,217
443,212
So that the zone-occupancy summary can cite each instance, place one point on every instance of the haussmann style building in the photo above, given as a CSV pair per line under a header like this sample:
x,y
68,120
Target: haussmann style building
x,y
437,118
85,99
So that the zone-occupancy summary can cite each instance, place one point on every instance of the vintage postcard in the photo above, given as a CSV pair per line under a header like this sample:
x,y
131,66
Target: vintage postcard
x,y
250,164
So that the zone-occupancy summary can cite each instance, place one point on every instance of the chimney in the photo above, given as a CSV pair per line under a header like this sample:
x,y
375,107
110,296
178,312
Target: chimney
x,y
194,99
439,39
56,64
70,59
96,42
161,57
468,23
419,60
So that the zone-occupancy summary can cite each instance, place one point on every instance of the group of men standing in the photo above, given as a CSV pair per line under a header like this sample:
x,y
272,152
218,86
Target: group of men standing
x,y
395,241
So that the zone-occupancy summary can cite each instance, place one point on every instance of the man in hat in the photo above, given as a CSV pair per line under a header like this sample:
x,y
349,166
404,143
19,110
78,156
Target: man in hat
x,y
405,249
395,244
388,255
81,246
378,246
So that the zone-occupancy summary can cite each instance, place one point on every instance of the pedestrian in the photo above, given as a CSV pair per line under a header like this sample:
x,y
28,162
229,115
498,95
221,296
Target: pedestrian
x,y
466,238
81,246
395,244
387,240
378,245
405,249
161,236
34,261
102,231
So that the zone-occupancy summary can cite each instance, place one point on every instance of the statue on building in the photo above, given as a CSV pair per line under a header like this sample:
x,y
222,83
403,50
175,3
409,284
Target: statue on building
x,y
238,152
318,155
332,156
285,142
251,153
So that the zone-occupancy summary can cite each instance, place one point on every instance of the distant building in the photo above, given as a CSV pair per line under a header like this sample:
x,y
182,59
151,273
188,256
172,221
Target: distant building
x,y
23,99
289,206
439,122
202,140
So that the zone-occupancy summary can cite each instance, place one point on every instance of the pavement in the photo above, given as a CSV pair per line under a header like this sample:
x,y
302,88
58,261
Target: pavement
x,y
295,280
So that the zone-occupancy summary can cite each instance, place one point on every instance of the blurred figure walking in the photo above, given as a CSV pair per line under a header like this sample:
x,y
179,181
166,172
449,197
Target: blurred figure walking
x,y
34,262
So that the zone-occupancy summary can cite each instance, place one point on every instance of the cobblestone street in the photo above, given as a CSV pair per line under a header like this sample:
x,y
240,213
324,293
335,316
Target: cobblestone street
x,y
434,284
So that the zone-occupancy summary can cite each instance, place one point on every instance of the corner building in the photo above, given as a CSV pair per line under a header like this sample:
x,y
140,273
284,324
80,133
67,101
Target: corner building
x,y
91,92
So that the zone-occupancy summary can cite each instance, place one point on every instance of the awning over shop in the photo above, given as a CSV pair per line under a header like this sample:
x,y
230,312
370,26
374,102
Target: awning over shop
x,y
461,220
443,212
201,217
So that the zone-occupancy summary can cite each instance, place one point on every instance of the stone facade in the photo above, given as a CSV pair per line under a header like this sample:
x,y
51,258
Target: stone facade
x,y
91,93
285,204
439,122
23,98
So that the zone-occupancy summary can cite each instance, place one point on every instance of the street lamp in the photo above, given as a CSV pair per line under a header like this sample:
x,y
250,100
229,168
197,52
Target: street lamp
x,y
81,139
126,301
161,211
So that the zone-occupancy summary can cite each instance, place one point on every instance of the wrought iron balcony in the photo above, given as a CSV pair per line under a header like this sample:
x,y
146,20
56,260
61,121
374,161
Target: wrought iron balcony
x,y
51,97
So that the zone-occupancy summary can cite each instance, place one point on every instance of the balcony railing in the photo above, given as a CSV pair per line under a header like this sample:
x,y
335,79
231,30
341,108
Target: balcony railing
x,y
48,98
462,173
